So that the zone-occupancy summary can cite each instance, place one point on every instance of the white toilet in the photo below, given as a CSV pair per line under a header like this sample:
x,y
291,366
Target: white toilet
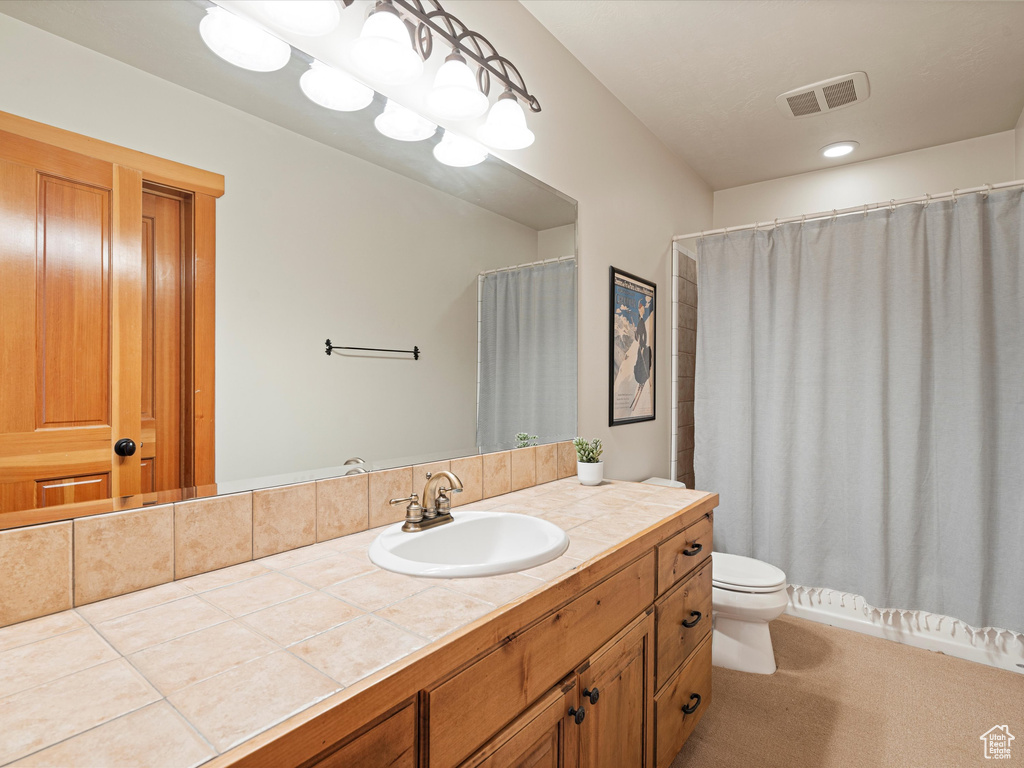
x,y
745,595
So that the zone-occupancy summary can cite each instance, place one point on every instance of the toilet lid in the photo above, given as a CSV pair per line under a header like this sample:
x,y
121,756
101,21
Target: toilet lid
x,y
745,574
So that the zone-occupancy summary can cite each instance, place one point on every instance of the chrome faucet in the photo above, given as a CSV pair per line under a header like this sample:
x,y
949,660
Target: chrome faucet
x,y
437,503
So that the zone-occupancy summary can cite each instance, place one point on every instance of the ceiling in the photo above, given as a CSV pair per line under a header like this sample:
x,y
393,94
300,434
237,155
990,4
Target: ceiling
x,y
703,75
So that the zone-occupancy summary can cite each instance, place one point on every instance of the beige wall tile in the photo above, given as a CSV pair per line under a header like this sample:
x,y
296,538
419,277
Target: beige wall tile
x,y
524,468
283,518
688,268
689,294
566,460
497,474
687,341
35,570
212,533
686,389
419,473
342,506
688,317
547,463
470,470
385,485
123,552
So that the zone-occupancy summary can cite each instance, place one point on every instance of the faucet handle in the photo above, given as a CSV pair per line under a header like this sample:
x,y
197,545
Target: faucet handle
x,y
415,498
413,512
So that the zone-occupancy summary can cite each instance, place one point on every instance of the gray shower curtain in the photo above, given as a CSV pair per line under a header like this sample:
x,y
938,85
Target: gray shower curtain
x,y
527,355
860,403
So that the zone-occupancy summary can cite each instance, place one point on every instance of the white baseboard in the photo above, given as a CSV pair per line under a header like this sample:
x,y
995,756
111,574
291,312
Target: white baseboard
x,y
998,648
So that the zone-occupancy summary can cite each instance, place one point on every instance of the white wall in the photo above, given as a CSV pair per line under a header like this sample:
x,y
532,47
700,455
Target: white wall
x,y
1019,147
307,248
633,194
962,164
556,242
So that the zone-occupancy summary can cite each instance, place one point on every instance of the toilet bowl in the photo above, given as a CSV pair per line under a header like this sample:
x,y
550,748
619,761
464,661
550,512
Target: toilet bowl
x,y
745,595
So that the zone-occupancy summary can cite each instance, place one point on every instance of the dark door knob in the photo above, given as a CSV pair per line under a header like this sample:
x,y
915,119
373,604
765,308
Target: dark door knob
x,y
577,714
124,447
593,695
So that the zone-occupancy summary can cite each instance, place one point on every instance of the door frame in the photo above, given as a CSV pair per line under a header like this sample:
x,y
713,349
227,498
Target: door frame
x,y
136,169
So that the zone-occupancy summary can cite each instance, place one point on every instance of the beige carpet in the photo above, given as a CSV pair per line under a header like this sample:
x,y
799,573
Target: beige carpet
x,y
841,698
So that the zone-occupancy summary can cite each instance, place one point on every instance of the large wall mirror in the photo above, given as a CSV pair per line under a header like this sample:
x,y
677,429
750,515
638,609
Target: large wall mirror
x,y
373,246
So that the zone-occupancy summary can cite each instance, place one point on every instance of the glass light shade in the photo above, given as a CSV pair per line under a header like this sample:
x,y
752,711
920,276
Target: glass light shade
x,y
458,151
506,125
455,95
383,50
334,89
242,42
839,149
397,122
312,18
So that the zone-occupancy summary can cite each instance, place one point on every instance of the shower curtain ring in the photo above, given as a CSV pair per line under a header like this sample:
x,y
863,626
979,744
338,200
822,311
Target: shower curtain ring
x,y
834,214
927,199
776,225
988,188
954,194
803,219
892,205
865,209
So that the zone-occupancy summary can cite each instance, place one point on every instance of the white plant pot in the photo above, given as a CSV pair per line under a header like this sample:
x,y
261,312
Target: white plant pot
x,y
590,473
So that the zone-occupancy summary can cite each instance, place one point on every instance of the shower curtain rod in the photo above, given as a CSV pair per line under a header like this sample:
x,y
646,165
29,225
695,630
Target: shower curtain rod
x,y
523,266
854,209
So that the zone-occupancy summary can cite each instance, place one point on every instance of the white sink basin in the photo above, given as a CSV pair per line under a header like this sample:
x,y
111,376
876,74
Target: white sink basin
x,y
473,544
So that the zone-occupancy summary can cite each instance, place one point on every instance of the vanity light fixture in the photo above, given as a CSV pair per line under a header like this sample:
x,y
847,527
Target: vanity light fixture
x,y
383,51
458,151
334,89
839,149
242,42
455,95
312,18
397,122
506,125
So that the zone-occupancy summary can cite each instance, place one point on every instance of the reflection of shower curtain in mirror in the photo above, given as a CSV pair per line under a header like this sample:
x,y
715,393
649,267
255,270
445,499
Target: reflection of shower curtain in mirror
x,y
527,355
860,403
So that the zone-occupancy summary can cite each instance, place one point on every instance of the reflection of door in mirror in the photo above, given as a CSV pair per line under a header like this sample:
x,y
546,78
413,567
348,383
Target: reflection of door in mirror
x,y
96,308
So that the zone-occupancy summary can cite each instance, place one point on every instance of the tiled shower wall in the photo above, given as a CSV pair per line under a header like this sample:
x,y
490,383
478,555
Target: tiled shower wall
x,y
686,355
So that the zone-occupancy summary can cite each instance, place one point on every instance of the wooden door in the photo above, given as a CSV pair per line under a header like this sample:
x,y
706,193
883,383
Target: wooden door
x,y
616,690
164,355
545,736
69,331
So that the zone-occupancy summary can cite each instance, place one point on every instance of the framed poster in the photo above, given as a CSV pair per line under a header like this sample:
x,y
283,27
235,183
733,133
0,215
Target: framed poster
x,y
631,349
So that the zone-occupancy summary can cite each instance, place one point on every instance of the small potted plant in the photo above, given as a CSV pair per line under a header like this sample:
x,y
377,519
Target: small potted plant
x,y
589,466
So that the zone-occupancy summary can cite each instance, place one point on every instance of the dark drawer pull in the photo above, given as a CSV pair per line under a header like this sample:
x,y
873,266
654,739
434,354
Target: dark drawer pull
x,y
695,551
593,695
693,707
578,714
693,623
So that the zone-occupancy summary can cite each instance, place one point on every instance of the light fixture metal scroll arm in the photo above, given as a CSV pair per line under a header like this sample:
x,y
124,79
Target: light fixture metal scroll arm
x,y
431,18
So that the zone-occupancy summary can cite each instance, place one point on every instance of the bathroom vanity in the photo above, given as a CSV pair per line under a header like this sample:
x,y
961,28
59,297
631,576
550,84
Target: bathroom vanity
x,y
608,665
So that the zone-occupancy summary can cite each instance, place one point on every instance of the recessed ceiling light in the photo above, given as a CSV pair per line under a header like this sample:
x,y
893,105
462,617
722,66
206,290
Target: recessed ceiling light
x,y
839,149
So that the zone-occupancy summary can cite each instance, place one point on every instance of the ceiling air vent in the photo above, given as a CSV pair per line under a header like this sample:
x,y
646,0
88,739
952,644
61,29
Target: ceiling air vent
x,y
826,96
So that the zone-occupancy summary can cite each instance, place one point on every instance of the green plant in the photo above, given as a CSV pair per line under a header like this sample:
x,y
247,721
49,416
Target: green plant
x,y
588,452
523,440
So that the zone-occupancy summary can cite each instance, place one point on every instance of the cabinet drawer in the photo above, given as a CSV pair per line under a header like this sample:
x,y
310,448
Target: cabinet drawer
x,y
691,688
683,619
475,704
683,552
389,744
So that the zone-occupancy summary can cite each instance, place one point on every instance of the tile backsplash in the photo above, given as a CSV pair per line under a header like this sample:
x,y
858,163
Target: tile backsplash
x,y
49,568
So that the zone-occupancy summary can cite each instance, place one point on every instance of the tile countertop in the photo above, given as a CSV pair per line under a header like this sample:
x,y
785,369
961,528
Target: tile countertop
x,y
187,670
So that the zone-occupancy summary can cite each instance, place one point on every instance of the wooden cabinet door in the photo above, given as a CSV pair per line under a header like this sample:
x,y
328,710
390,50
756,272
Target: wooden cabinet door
x,y
617,731
545,736
69,326
389,744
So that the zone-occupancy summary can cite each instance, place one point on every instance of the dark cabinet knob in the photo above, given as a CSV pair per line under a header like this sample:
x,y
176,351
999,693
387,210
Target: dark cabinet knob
x,y
695,551
593,695
693,622
689,710
124,447
577,714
